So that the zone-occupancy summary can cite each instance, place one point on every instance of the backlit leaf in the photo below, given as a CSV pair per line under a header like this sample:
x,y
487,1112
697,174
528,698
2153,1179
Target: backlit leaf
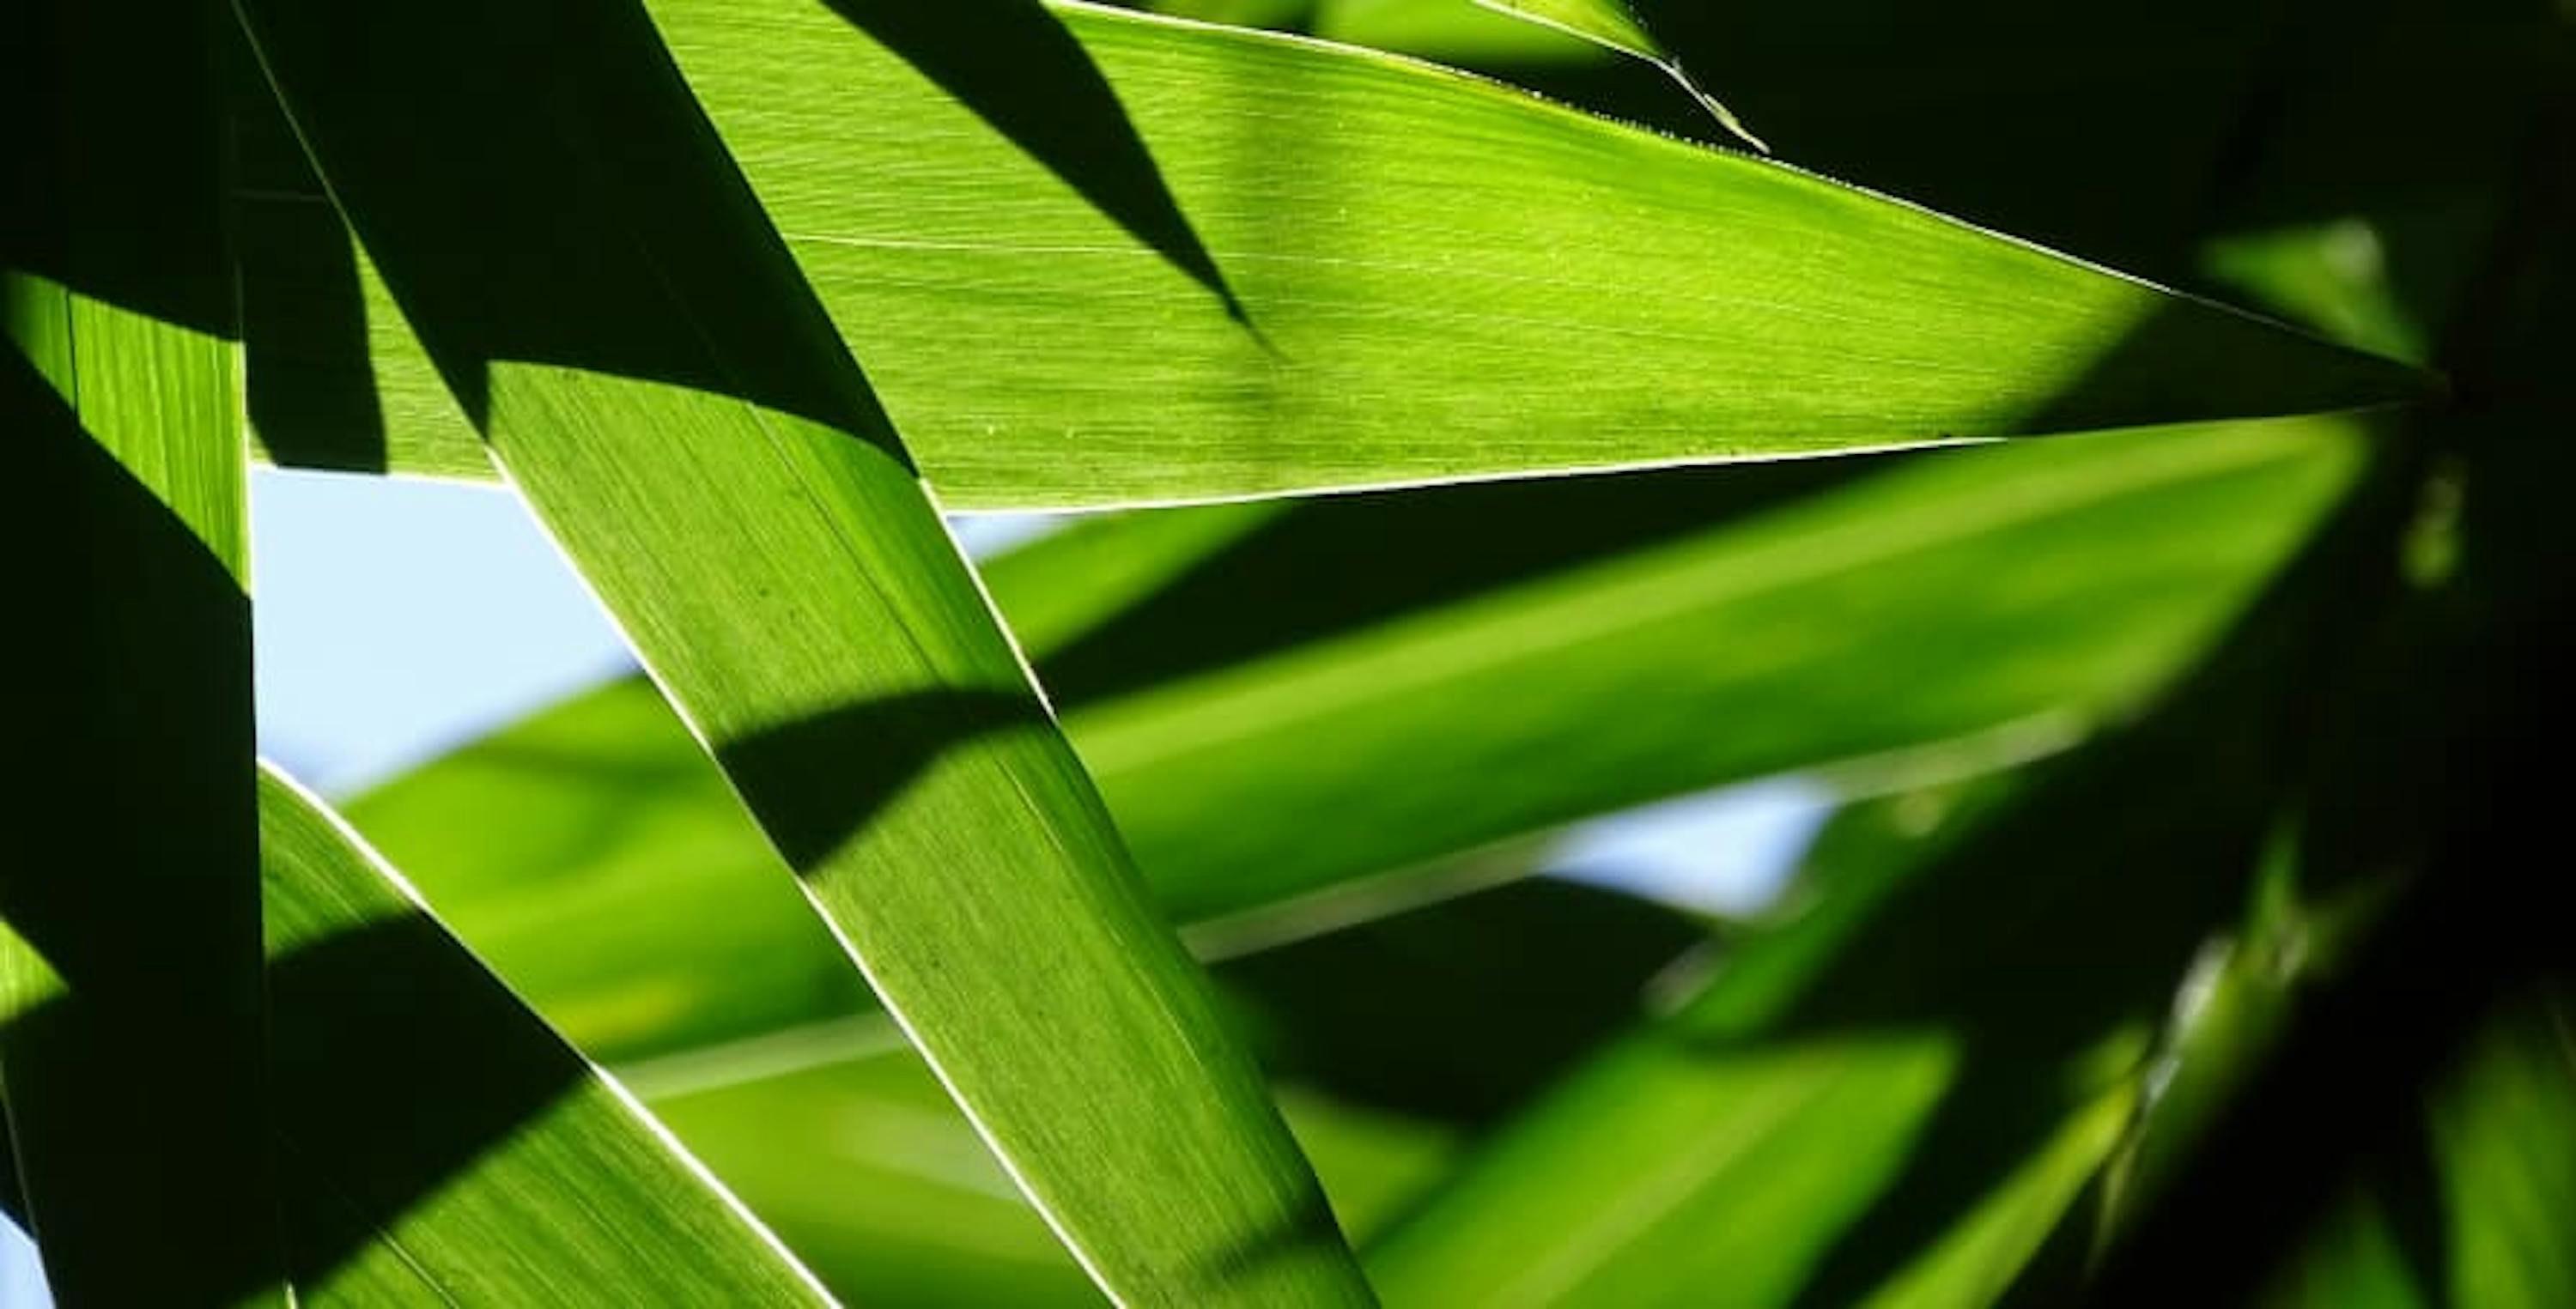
x,y
607,302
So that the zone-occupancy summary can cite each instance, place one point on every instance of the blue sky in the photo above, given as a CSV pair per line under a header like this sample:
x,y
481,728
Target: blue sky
x,y
398,618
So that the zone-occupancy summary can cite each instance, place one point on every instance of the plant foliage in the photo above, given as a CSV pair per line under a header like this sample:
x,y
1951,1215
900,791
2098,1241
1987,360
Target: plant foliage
x,y
1191,907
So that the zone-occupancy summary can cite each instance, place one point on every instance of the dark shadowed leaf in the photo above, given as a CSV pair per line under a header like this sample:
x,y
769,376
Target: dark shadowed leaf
x,y
129,904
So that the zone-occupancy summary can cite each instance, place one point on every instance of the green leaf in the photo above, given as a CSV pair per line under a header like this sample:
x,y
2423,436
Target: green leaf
x,y
1306,737
1426,1023
632,339
1466,36
1616,24
865,1168
1990,574
128,922
1876,1104
1437,277
129,909
2331,276
1433,1011
2231,1018
2503,1123
2476,1213
1677,1165
444,1146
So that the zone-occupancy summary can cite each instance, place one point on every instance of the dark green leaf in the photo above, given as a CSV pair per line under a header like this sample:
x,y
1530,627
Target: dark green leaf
x,y
129,906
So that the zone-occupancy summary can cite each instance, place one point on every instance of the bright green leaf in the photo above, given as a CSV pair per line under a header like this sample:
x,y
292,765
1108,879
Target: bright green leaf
x,y
1741,651
1440,277
1423,1021
631,337
865,1168
2030,588
441,1145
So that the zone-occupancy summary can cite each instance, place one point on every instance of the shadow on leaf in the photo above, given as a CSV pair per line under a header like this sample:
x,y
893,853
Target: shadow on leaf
x,y
1015,66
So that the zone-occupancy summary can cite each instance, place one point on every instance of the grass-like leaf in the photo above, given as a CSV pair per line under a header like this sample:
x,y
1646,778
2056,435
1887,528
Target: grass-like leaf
x,y
1424,1024
129,908
1835,1120
1715,656
605,299
1427,277
1875,1102
1262,738
863,1167
440,1144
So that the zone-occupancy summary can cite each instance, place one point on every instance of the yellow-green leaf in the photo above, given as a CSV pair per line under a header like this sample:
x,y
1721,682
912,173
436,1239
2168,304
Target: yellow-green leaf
x,y
1428,276
439,1143
1270,746
631,338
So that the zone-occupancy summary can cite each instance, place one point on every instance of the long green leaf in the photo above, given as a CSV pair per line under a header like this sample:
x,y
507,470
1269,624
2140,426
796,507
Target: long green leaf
x,y
1719,656
1711,1158
442,1145
1882,1103
1436,278
643,357
882,1186
1950,106
129,965
866,1169
1684,1167
1261,738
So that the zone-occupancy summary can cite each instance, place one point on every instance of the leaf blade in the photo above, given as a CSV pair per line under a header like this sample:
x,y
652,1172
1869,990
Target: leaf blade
x,y
132,922
677,410
1749,627
567,1193
1432,264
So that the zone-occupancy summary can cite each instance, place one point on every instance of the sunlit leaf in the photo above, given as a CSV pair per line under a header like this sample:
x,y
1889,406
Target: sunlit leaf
x,y
867,1170
1428,277
440,1144
634,343
855,1156
1263,739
